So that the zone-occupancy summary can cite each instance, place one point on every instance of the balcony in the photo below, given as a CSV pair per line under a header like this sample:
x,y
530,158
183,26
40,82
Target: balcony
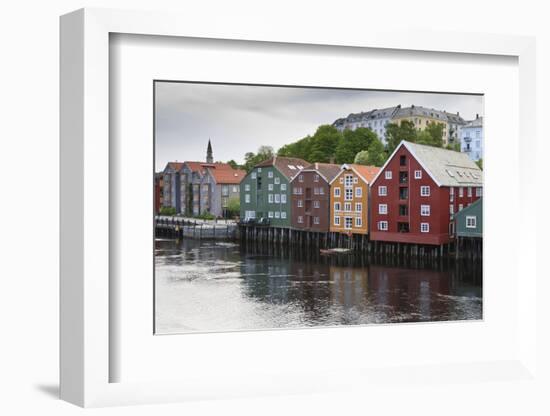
x,y
403,194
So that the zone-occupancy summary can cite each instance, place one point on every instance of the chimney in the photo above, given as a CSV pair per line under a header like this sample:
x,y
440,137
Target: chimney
x,y
477,116
458,113
316,165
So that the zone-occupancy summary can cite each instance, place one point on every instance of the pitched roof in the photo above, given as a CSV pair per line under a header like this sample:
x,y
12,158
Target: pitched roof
x,y
288,166
174,165
366,172
327,170
446,167
478,122
226,174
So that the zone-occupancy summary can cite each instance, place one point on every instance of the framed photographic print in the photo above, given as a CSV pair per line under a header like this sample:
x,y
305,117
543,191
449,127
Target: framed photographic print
x,y
277,213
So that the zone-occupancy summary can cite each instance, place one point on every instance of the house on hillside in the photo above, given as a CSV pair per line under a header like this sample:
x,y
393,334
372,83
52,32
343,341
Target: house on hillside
x,y
310,196
349,195
265,191
417,192
471,138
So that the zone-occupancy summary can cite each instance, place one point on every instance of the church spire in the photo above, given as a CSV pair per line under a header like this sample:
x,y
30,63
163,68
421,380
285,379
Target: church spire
x,y
209,157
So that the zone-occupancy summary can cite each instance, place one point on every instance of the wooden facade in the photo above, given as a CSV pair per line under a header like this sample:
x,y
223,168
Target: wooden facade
x,y
418,191
310,196
349,195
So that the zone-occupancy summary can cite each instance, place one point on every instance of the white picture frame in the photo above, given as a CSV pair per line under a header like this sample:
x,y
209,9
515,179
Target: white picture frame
x,y
85,266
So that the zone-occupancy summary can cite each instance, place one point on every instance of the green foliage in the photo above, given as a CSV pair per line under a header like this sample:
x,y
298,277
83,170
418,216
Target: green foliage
x,y
375,155
205,216
395,133
453,146
324,143
300,148
233,164
479,163
353,142
252,159
432,135
233,206
362,158
170,211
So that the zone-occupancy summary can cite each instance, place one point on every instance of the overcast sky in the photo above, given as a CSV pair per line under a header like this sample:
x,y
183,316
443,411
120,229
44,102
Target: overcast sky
x,y
239,119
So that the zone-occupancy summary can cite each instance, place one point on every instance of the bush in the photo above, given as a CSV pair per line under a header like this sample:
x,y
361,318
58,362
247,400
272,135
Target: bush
x,y
170,211
206,216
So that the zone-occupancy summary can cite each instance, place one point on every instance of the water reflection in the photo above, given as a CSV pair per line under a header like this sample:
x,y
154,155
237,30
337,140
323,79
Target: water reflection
x,y
212,286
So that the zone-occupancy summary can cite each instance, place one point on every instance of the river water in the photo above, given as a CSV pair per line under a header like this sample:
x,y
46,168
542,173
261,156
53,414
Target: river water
x,y
204,286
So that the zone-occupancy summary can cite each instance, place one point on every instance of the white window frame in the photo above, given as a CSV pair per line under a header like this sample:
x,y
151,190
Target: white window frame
x,y
451,209
425,210
253,175
346,223
283,187
417,174
382,225
277,198
359,192
283,215
337,192
358,207
461,192
316,204
470,218
424,227
270,174
423,190
270,214
316,178
358,221
270,198
388,174
382,209
277,180
479,191
247,187
300,203
321,190
316,220
337,220
348,180
382,190
348,196
300,178
283,198
337,206
277,214
469,192
247,198
269,186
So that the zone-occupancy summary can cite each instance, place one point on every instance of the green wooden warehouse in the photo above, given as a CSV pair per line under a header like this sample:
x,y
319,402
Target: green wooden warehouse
x,y
265,191
468,222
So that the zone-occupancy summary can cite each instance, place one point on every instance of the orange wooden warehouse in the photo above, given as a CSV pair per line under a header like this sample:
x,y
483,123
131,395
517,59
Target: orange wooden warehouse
x,y
349,194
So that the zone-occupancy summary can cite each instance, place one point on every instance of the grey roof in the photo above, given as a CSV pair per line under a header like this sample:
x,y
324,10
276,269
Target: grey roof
x,y
478,122
446,167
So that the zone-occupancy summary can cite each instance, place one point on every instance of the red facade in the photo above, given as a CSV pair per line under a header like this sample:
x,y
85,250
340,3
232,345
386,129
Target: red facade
x,y
404,211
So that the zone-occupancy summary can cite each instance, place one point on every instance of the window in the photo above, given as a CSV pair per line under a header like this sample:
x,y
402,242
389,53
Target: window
x,y
348,180
247,198
283,215
321,191
479,192
348,223
424,227
383,225
270,198
316,191
283,198
315,220
277,181
337,206
247,187
337,192
347,206
358,207
283,187
469,191
417,174
358,222
336,220
425,210
349,194
301,178
403,160
388,174
355,180
403,210
270,174
460,192
451,209
382,190
253,175
269,186
358,192
460,206
259,170
382,209
270,214
471,221
341,180
451,191
315,178
424,191
236,189
297,191
300,203
277,198
277,214
316,204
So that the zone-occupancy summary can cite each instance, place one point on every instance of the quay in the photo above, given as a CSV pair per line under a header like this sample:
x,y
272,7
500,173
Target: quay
x,y
181,227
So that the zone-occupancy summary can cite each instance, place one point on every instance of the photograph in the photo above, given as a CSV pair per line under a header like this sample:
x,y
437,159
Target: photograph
x,y
281,207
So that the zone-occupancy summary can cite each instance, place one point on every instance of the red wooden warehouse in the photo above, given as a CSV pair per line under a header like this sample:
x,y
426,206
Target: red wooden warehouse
x,y
417,191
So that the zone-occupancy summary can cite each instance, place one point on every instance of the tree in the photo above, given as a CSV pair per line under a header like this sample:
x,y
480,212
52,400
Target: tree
x,y
324,143
453,146
300,148
168,211
432,135
233,206
233,164
375,155
252,159
353,142
395,133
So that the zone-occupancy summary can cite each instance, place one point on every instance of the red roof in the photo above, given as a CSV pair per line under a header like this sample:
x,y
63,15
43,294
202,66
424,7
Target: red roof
x,y
174,165
367,172
226,174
